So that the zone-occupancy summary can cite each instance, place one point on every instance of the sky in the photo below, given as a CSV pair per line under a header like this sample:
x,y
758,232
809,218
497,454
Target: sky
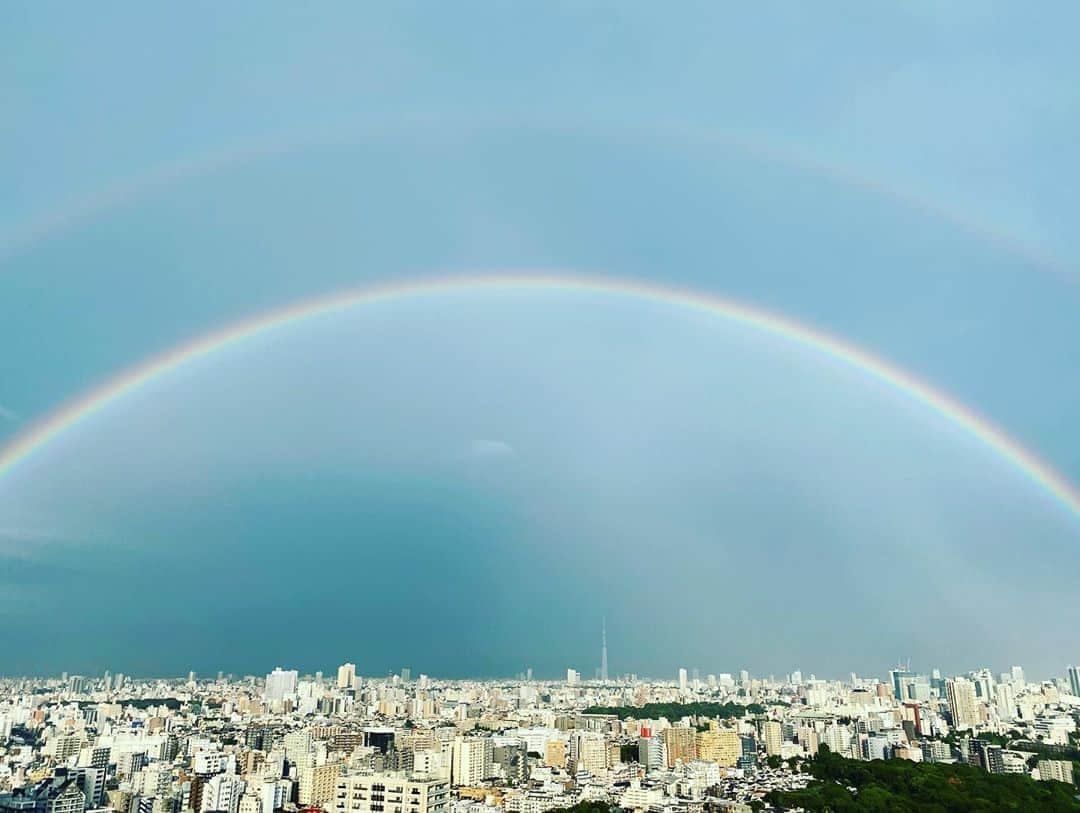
x,y
467,483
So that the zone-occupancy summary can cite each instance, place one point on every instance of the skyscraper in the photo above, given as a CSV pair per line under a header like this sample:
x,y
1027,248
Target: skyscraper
x,y
346,675
1074,680
603,651
281,684
962,703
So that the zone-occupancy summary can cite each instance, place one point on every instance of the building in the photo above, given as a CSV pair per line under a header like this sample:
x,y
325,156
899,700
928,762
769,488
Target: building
x,y
590,752
470,760
346,676
681,745
773,734
1074,681
316,785
390,793
573,677
222,793
59,793
555,754
1055,770
963,706
281,684
719,745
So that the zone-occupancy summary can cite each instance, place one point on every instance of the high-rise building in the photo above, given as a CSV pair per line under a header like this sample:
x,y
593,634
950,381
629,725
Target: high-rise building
x,y
470,760
1074,681
222,793
681,744
590,752
684,679
315,785
773,735
897,677
962,703
573,677
281,685
346,675
555,753
719,745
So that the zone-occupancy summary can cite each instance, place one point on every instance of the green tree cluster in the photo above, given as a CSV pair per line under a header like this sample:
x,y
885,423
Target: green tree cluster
x,y
676,711
900,786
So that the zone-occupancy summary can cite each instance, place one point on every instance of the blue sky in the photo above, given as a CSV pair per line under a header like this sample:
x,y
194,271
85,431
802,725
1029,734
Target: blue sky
x,y
727,502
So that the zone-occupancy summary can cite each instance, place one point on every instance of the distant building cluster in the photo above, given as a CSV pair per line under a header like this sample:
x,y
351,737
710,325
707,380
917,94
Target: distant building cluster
x,y
352,744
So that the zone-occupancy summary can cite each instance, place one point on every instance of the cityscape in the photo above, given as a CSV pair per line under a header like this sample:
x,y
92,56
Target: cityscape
x,y
601,406
341,742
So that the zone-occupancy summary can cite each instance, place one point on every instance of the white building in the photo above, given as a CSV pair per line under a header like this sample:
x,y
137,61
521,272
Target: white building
x,y
281,684
390,793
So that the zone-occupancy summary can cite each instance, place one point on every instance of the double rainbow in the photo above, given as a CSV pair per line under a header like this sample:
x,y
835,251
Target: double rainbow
x,y
67,418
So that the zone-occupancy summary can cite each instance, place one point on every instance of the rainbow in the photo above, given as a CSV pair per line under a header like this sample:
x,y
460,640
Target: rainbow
x,y
171,172
69,417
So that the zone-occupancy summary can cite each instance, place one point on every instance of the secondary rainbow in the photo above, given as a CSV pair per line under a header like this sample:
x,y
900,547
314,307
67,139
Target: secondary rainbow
x,y
172,172
127,383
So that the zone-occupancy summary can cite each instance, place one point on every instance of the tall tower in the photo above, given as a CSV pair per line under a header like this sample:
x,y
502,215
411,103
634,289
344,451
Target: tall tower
x,y
603,650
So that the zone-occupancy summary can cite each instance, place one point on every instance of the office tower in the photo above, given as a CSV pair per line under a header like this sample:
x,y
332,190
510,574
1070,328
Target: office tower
x,y
1018,674
603,651
984,684
573,677
346,675
280,685
684,679
744,677
748,757
898,677
1074,681
77,684
796,677
406,674
960,693
529,674
191,676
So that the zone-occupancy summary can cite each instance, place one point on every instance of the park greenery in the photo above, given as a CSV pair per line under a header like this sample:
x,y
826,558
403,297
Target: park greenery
x,y
841,785
676,711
